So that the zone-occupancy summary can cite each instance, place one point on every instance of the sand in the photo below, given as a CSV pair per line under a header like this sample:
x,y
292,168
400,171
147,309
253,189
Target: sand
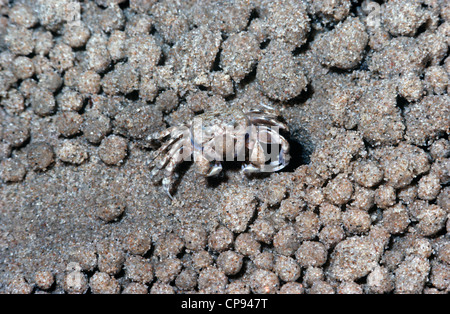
x,y
362,208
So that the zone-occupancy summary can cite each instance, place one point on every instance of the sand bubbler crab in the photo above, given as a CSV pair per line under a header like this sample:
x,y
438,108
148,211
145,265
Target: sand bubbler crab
x,y
231,134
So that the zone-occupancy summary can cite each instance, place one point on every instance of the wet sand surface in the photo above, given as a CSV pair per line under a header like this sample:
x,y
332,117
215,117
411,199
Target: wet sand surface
x,y
363,206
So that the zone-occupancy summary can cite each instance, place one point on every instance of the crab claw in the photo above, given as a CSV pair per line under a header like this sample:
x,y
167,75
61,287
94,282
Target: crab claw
x,y
249,168
258,155
166,182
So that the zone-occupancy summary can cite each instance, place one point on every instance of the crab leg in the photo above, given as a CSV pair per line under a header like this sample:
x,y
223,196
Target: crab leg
x,y
166,146
258,118
176,134
216,168
177,155
160,135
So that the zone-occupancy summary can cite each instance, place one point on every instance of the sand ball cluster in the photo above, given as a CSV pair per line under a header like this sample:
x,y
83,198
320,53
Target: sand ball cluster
x,y
363,207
